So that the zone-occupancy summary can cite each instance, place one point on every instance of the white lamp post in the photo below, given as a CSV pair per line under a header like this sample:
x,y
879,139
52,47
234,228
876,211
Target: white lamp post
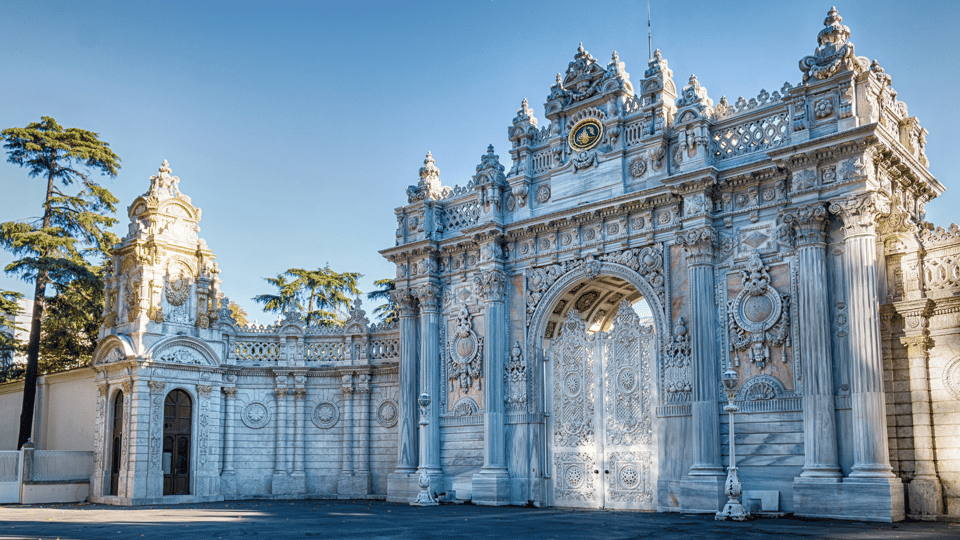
x,y
424,498
733,509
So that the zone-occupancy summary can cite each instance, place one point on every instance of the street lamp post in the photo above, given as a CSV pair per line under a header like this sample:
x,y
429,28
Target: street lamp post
x,y
424,498
733,509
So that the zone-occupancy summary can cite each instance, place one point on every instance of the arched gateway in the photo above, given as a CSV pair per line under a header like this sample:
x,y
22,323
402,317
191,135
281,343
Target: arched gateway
x,y
781,238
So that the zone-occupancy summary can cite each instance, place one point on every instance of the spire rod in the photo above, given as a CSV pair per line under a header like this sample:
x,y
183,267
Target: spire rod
x,y
649,34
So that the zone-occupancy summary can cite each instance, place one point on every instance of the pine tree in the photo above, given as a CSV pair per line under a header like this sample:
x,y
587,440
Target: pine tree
x,y
73,226
386,312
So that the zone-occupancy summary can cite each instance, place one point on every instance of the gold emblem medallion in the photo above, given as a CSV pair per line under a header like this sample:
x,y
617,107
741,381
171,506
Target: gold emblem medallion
x,y
586,134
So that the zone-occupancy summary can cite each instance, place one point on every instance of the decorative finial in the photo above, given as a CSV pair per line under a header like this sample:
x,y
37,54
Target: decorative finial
x,y
580,48
165,167
559,79
490,147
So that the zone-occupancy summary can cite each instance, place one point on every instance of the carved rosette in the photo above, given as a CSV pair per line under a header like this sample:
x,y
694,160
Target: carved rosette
x,y
491,285
464,354
859,213
759,315
809,221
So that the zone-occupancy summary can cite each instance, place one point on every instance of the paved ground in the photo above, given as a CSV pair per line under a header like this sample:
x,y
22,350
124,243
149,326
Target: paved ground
x,y
373,520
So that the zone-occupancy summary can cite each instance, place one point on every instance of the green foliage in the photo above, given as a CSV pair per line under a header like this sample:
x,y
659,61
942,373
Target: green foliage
x,y
65,246
322,294
9,346
239,314
387,311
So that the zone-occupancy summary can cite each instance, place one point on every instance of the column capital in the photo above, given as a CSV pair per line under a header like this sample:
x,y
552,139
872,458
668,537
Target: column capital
x,y
203,390
281,392
809,220
859,212
405,301
299,393
157,387
429,296
698,243
917,346
491,284
127,386
229,391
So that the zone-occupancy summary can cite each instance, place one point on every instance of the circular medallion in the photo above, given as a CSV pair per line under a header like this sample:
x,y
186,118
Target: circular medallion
x,y
571,384
757,313
629,477
574,476
255,415
325,415
586,134
627,380
951,377
466,346
387,413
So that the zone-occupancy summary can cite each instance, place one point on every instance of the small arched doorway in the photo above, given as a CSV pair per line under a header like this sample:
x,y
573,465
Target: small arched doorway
x,y
177,426
116,451
601,386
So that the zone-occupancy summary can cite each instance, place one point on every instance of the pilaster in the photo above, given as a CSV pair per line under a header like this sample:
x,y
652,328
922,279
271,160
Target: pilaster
x,y
702,488
228,480
429,296
491,486
821,461
402,483
925,491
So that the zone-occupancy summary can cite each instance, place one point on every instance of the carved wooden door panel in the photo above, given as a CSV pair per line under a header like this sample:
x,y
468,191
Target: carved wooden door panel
x,y
629,453
575,470
177,424
604,453
116,447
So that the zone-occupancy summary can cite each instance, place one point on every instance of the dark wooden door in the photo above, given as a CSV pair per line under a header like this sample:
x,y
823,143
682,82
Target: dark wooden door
x,y
117,446
177,412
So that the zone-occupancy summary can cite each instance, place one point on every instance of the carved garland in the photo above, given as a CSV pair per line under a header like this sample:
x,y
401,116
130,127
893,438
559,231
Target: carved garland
x,y
759,316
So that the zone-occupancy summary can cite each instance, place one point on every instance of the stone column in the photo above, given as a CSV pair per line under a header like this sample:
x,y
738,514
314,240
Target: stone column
x,y
429,296
871,454
925,490
346,458
821,463
702,490
228,481
363,425
124,488
281,425
492,484
407,421
298,396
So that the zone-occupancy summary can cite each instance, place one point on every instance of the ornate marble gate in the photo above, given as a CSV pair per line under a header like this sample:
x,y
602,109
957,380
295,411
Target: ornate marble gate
x,y
603,448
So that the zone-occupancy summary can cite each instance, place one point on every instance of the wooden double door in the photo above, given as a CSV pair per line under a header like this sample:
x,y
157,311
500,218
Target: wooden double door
x,y
177,427
603,452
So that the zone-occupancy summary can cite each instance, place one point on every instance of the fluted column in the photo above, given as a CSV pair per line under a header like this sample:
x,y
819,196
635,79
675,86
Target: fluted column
x,y
281,429
298,396
821,462
491,286
229,400
429,296
699,244
871,455
363,424
407,419
346,388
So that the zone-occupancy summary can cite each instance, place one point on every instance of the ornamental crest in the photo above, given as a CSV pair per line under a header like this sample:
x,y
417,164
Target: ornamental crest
x,y
759,315
464,353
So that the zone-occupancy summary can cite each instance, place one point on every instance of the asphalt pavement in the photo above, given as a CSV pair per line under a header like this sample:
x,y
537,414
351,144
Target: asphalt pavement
x,y
370,520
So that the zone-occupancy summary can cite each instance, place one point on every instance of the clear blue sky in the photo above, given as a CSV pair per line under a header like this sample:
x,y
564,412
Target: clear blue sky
x,y
296,126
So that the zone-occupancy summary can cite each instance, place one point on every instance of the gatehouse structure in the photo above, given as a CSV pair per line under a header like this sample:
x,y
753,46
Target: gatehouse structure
x,y
569,312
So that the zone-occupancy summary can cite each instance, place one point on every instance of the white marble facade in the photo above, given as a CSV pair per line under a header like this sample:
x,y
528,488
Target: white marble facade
x,y
570,317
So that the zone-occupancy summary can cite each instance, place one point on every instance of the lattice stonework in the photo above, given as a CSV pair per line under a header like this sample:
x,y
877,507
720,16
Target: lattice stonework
x,y
255,351
324,351
385,348
574,476
761,134
462,215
